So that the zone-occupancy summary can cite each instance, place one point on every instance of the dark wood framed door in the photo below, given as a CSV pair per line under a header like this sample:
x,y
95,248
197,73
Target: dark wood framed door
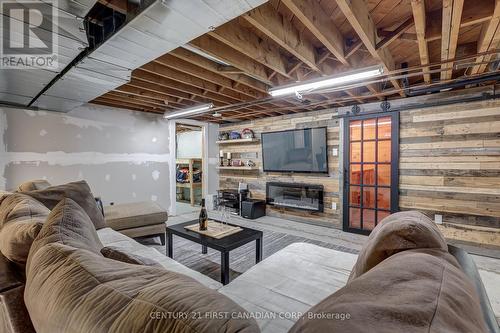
x,y
371,170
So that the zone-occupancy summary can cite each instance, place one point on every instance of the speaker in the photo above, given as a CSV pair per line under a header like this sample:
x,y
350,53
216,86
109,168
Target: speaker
x,y
253,209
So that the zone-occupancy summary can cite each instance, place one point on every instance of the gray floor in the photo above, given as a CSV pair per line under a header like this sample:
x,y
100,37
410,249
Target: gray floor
x,y
278,233
185,208
241,259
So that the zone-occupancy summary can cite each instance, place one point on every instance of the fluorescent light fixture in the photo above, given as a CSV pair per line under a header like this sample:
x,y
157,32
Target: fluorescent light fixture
x,y
188,112
325,82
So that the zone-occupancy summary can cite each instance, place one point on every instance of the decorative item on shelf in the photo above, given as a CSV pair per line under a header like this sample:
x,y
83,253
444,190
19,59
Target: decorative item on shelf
x,y
223,136
250,163
234,135
228,159
247,134
236,163
221,158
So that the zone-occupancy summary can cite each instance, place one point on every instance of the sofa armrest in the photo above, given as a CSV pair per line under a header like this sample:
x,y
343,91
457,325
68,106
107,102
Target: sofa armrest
x,y
469,268
9,275
14,317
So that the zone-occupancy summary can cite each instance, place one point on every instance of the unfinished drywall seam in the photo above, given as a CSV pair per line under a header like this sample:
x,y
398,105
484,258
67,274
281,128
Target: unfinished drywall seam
x,y
60,158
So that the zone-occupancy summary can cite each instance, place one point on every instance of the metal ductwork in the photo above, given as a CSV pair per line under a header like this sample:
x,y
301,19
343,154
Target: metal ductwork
x,y
156,30
20,86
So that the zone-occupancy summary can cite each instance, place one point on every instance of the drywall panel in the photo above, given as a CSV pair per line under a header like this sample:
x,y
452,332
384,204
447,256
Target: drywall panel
x,y
123,155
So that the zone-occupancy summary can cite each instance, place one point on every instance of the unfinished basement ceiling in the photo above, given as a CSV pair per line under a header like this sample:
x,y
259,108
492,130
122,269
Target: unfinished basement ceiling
x,y
285,41
159,28
20,86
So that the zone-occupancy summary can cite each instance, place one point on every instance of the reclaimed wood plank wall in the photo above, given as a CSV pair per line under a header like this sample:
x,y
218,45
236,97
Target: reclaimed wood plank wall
x,y
449,163
256,179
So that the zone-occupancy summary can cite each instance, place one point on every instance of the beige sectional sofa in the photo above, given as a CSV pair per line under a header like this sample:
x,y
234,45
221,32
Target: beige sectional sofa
x,y
73,285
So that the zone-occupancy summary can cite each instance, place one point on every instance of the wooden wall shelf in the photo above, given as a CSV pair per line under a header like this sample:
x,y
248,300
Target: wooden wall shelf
x,y
243,168
190,162
225,142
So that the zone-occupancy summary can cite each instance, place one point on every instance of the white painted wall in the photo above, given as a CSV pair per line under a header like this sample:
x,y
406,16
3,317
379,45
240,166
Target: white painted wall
x,y
123,155
189,144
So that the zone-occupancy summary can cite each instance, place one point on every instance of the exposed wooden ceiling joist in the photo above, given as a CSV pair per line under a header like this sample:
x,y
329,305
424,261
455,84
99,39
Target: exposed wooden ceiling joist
x,y
287,41
310,13
452,15
266,19
360,19
219,50
489,39
245,41
395,34
419,17
251,86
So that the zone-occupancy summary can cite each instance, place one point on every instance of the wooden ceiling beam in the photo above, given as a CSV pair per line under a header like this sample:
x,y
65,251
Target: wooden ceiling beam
x,y
314,18
358,15
187,80
196,77
266,19
353,49
164,78
151,82
395,34
179,64
488,40
146,100
243,83
219,50
139,88
124,105
109,96
251,86
419,17
128,89
246,42
474,12
452,15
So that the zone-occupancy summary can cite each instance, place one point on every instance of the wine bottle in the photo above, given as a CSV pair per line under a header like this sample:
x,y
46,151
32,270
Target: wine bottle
x,y
203,219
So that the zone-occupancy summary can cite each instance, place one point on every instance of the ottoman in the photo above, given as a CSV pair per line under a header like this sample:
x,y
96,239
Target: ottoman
x,y
137,219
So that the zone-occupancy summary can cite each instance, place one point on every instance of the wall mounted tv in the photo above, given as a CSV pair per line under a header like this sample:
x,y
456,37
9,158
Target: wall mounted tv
x,y
301,150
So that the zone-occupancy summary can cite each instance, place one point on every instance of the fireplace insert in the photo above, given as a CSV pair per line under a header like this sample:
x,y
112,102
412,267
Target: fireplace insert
x,y
295,195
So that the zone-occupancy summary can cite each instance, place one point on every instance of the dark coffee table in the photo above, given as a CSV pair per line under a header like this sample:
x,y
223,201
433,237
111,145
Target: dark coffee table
x,y
224,245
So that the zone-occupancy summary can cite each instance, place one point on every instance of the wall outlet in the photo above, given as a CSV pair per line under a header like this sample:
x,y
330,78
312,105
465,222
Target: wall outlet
x,y
438,219
334,205
335,152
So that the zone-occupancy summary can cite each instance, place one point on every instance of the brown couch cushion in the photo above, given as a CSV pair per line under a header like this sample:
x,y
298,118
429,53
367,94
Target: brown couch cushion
x,y
33,185
133,215
412,291
79,192
398,232
115,253
72,290
68,224
21,219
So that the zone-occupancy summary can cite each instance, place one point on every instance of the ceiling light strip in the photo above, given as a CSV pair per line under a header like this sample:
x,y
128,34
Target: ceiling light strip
x,y
325,82
188,112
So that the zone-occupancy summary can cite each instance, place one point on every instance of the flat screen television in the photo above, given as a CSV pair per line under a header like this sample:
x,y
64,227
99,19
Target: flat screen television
x,y
301,150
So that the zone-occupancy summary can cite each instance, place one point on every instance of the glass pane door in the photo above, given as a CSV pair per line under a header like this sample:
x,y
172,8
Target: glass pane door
x,y
371,174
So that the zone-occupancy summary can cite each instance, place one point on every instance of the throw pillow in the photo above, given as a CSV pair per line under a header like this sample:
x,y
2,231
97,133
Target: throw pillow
x,y
21,219
33,185
420,290
77,191
398,232
68,224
